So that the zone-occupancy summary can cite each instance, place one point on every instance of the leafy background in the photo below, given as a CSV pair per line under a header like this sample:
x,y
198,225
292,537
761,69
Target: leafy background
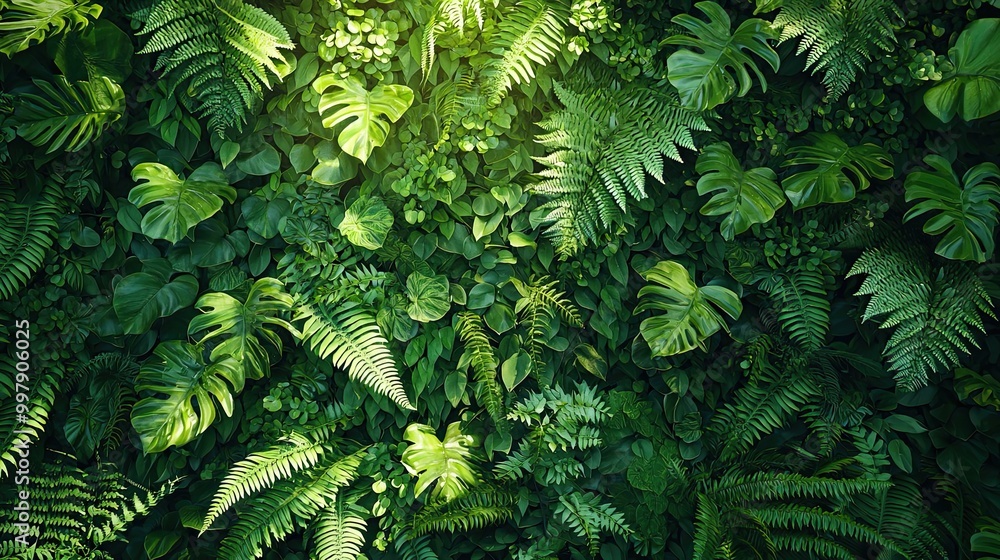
x,y
498,279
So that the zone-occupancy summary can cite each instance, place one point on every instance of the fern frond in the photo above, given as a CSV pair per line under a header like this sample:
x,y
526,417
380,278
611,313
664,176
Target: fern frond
x,y
784,486
480,507
339,530
530,34
936,313
19,433
26,235
447,15
840,36
588,517
295,452
799,293
485,366
287,507
224,50
349,336
601,146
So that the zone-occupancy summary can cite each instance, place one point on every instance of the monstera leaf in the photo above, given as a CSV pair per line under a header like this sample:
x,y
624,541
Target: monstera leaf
x,y
688,314
366,223
828,181
68,115
972,90
184,202
194,390
144,297
429,297
241,323
966,212
745,197
702,78
24,23
367,114
441,463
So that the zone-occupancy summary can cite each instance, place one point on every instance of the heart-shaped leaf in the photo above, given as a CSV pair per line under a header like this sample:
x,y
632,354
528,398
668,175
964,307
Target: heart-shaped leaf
x,y
367,223
429,297
831,159
142,298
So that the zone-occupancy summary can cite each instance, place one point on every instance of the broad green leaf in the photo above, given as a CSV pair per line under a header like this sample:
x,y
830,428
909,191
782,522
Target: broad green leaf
x,y
702,78
515,369
830,159
243,324
24,23
264,217
964,212
142,298
429,297
99,50
367,223
972,90
900,454
984,389
367,114
66,115
184,203
194,391
688,316
442,464
745,197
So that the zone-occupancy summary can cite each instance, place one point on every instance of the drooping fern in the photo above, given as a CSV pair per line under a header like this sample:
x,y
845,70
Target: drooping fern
x,y
349,336
801,306
601,146
539,306
339,530
24,23
588,517
225,51
935,311
530,34
480,355
21,429
840,35
288,506
75,511
26,235
448,15
482,506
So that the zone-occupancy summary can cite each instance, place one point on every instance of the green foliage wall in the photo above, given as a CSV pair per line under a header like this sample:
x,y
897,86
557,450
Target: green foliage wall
x,y
527,279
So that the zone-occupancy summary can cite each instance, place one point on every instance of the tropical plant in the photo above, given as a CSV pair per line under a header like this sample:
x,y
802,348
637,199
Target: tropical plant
x,y
965,211
24,23
748,197
184,203
702,78
26,235
69,116
593,166
688,314
181,374
242,323
970,90
442,464
828,182
839,37
367,114
225,51
531,34
935,311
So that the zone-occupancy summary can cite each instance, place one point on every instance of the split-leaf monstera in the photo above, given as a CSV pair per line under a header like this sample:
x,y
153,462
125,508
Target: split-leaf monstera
x,y
368,114
243,322
24,23
68,115
181,373
443,464
184,203
688,316
966,212
746,197
827,181
701,78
